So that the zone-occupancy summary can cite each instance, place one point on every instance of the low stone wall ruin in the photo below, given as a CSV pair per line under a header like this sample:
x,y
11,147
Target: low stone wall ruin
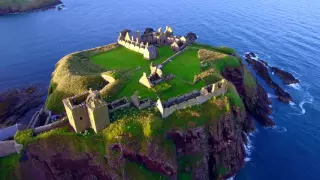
x,y
117,104
60,123
9,147
191,99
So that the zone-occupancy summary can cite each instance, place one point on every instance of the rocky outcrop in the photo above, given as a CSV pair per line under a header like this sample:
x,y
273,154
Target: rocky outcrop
x,y
214,151
55,159
255,98
11,7
15,103
286,77
262,71
154,158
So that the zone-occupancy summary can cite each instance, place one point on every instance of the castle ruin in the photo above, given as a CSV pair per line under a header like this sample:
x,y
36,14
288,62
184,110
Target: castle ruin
x,y
147,43
87,110
191,99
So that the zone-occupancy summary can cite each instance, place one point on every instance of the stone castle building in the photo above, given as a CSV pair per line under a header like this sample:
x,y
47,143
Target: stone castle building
x,y
87,110
147,43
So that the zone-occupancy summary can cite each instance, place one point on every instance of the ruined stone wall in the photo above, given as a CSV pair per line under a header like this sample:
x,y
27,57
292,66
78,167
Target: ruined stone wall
x,y
48,127
139,48
202,98
9,147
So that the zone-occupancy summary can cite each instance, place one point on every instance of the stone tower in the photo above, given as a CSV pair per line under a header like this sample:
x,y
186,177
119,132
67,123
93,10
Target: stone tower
x,y
77,113
97,111
87,110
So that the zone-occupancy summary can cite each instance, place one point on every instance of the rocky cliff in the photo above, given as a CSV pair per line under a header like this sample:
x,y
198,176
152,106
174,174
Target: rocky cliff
x,y
254,97
18,6
211,151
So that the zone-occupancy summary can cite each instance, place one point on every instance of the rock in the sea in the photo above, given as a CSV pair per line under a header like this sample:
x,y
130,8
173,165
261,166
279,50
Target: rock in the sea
x,y
263,72
286,77
255,99
15,103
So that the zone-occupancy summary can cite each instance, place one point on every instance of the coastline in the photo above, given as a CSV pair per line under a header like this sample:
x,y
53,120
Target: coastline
x,y
5,12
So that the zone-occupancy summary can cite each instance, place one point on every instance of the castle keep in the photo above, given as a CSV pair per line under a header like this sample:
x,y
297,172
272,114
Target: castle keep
x,y
87,110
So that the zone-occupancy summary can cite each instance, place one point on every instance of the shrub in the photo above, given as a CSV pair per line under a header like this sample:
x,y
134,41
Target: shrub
x,y
24,137
162,87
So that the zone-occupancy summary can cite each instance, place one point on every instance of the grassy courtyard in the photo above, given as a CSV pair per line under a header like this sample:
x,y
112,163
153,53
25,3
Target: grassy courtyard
x,y
184,66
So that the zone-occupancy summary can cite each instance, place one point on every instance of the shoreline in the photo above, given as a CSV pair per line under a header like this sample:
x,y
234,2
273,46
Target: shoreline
x,y
48,7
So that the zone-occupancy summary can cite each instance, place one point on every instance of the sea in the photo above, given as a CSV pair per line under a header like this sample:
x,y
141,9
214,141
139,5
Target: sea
x,y
285,33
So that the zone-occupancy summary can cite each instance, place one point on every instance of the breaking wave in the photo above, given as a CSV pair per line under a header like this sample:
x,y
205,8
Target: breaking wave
x,y
295,86
271,96
249,146
308,98
277,128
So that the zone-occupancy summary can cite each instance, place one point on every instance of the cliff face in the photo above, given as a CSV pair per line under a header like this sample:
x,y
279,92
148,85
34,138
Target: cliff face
x,y
214,151
52,158
255,98
10,6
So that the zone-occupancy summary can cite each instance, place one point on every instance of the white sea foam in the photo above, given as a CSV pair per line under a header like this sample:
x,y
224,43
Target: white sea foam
x,y
303,111
308,98
271,96
279,129
292,103
249,146
295,86
231,178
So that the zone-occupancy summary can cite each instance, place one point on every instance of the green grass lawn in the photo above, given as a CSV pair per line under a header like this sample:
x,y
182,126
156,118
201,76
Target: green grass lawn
x,y
122,58
180,87
186,65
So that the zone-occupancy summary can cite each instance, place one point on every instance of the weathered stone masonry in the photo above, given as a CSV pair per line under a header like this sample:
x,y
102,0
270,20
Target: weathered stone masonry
x,y
191,99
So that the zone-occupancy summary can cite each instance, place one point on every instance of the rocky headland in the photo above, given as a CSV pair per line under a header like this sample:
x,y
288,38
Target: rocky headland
x,y
206,142
19,6
261,68
16,103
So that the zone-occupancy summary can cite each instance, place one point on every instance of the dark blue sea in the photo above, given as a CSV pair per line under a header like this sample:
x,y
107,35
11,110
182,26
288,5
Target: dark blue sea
x,y
285,33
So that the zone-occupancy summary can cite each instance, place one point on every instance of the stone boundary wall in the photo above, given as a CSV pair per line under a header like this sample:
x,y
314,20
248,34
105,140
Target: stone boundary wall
x,y
60,123
173,56
168,108
170,58
10,131
9,147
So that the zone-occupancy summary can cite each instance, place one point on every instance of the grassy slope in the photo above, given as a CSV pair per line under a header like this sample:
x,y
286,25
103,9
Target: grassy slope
x,y
8,166
73,75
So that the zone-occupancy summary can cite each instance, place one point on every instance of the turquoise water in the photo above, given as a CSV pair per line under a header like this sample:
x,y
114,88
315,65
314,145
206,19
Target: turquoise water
x,y
285,33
